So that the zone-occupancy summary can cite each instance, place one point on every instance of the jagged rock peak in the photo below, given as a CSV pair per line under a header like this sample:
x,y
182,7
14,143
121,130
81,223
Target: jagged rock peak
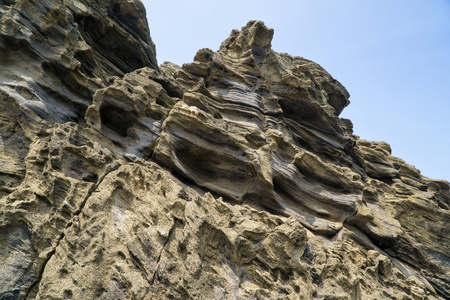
x,y
255,36
253,42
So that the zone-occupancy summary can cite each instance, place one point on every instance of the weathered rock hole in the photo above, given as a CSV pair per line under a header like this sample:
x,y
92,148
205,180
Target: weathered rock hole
x,y
115,119
87,66
63,272
121,255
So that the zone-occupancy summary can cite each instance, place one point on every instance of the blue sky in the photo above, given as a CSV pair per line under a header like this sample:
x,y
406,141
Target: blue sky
x,y
392,56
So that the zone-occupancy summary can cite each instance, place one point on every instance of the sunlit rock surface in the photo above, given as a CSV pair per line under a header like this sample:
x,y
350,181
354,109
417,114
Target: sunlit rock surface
x,y
231,177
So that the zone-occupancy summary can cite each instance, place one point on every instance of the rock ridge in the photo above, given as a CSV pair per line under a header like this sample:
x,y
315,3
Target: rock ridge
x,y
231,177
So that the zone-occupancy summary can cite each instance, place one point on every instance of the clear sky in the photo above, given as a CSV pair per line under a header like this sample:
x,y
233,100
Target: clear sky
x,y
392,56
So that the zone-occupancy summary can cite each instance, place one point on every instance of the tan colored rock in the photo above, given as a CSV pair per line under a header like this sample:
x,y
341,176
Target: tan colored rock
x,y
130,111
143,233
231,177
310,167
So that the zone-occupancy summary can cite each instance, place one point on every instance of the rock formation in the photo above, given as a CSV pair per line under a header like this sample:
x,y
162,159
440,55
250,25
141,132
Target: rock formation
x,y
231,177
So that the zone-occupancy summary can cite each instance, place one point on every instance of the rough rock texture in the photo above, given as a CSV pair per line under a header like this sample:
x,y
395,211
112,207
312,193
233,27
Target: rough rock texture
x,y
232,177
56,54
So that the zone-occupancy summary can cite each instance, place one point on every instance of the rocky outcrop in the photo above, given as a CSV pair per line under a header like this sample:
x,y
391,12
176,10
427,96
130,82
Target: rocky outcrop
x,y
56,54
231,177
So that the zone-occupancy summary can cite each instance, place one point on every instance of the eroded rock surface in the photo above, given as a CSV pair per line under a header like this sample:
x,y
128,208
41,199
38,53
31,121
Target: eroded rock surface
x,y
55,54
231,177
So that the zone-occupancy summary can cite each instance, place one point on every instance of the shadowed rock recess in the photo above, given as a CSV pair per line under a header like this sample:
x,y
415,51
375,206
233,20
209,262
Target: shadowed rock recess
x,y
231,177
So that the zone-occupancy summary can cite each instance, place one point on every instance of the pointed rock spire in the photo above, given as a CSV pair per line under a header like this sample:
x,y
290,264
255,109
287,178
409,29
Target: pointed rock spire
x,y
255,36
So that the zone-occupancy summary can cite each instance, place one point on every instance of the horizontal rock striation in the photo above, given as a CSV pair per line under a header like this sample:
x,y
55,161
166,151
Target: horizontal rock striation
x,y
56,54
231,177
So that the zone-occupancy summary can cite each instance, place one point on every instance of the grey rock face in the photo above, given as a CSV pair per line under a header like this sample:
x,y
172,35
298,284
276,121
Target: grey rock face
x,y
56,54
231,177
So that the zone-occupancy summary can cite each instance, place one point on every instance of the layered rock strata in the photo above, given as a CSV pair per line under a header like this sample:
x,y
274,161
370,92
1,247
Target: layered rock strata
x,y
231,177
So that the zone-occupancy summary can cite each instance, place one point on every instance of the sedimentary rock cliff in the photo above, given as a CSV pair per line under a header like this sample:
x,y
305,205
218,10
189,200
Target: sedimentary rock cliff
x,y
231,177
